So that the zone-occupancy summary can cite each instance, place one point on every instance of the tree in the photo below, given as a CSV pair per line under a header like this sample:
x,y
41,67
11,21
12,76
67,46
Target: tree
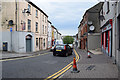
x,y
68,40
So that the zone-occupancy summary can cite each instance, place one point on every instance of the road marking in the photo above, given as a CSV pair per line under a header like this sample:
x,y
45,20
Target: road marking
x,y
60,72
24,57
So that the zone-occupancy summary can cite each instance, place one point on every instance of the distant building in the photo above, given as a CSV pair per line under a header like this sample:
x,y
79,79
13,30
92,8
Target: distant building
x,y
28,24
89,29
49,34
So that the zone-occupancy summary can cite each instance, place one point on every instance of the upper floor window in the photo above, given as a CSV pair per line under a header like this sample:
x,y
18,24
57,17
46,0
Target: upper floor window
x,y
29,25
43,29
23,25
43,18
36,26
36,13
29,8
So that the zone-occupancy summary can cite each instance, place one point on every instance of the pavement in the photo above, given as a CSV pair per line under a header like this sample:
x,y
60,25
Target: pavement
x,y
99,66
11,55
96,51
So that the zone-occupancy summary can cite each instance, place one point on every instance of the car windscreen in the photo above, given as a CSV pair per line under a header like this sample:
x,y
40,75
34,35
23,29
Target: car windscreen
x,y
59,46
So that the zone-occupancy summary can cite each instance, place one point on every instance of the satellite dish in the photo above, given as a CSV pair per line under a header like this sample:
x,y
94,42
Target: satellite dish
x,y
92,28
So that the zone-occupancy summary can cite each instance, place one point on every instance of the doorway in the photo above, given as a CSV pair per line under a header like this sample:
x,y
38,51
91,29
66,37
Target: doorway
x,y
28,43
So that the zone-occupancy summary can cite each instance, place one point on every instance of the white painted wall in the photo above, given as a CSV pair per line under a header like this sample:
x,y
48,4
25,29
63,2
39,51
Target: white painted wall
x,y
18,41
49,35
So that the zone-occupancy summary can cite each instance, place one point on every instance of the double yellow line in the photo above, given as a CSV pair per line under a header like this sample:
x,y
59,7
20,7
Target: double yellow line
x,y
23,57
60,72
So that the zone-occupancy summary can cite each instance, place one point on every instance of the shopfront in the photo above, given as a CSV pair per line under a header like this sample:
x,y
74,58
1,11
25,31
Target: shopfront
x,y
106,38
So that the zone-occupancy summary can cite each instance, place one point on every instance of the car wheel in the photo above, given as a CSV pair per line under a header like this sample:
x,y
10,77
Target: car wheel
x,y
66,54
54,54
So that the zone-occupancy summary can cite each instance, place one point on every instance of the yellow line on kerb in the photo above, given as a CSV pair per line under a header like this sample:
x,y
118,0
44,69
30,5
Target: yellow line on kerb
x,y
60,72
23,57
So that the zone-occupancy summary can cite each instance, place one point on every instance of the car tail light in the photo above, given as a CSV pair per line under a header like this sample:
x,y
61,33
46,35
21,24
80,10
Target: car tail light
x,y
64,47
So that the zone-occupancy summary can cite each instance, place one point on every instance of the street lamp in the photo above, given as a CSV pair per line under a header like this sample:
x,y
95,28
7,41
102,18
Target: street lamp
x,y
26,11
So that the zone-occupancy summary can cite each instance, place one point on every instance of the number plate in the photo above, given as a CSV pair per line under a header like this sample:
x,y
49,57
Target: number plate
x,y
58,50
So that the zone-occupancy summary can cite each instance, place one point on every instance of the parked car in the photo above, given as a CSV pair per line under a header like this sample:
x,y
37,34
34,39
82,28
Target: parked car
x,y
51,49
62,49
71,45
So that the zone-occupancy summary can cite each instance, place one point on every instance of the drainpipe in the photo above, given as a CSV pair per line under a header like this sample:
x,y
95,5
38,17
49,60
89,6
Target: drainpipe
x,y
115,31
16,14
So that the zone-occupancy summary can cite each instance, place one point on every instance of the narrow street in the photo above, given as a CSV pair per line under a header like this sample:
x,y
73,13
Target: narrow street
x,y
36,67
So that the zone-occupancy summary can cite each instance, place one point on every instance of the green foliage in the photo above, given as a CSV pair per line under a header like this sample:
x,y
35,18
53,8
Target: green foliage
x,y
68,40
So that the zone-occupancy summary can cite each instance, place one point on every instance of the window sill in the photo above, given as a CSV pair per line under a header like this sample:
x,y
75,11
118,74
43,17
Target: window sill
x,y
36,16
37,32
29,31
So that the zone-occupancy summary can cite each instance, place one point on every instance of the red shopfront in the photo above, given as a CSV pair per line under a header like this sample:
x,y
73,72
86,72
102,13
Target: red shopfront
x,y
106,38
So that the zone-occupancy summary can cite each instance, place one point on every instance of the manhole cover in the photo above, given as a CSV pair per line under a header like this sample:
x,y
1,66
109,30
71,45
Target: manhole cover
x,y
90,67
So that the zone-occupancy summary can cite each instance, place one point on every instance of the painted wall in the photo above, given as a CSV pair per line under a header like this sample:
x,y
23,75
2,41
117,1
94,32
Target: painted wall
x,y
18,41
49,35
94,41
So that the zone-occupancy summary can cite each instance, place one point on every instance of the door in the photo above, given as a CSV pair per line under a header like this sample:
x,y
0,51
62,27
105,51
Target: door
x,y
110,43
39,43
28,45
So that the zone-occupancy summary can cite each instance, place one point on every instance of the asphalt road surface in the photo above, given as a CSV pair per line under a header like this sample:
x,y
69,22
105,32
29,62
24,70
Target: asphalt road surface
x,y
36,67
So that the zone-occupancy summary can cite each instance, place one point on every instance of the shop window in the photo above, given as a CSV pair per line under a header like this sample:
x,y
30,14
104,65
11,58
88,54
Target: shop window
x,y
102,38
36,42
44,43
107,39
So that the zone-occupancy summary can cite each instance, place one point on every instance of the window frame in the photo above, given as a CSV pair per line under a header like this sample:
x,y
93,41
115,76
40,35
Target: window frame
x,y
43,29
29,8
29,25
36,13
24,25
36,28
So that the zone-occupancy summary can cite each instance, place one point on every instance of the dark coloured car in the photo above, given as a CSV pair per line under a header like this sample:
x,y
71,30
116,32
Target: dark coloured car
x,y
63,50
52,48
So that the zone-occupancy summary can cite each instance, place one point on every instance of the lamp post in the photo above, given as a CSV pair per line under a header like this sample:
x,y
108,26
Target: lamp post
x,y
91,28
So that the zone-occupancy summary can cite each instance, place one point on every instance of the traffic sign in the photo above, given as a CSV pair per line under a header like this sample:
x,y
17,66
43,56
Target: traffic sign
x,y
10,29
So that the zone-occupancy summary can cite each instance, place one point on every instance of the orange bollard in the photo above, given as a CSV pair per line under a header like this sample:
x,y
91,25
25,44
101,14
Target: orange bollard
x,y
89,54
74,66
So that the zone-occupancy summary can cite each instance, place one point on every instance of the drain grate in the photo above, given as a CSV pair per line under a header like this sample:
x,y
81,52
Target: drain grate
x,y
90,67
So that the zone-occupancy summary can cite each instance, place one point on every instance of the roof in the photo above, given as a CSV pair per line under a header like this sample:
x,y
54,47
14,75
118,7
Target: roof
x,y
96,8
36,7
53,27
49,22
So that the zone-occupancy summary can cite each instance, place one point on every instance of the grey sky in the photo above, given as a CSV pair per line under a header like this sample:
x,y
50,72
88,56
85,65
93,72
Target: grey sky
x,y
65,15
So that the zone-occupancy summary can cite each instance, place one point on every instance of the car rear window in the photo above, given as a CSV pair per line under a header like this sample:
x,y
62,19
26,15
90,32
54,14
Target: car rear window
x,y
59,46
